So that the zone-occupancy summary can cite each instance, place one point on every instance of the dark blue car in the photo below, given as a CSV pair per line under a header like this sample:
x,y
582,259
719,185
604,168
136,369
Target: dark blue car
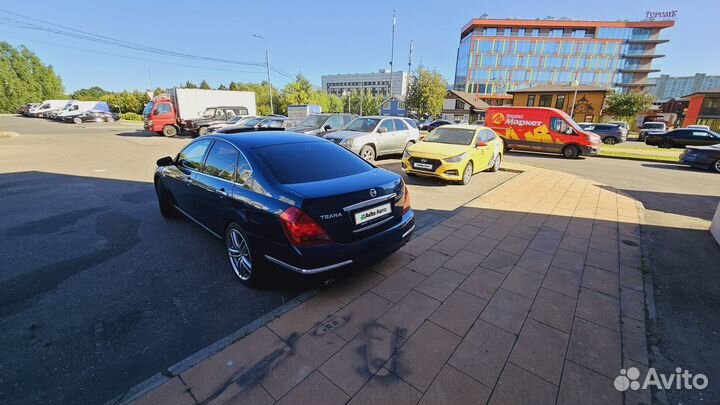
x,y
296,201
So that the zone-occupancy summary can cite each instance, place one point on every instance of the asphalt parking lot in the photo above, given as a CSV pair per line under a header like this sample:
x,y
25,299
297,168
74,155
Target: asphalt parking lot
x,y
97,291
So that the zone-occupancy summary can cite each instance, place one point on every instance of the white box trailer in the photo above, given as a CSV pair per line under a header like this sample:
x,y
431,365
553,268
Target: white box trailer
x,y
192,103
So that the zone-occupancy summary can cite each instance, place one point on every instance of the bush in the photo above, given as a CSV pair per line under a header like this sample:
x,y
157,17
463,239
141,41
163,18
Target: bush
x,y
131,116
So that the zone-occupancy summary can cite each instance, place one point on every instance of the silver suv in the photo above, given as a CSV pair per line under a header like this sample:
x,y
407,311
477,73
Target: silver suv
x,y
371,137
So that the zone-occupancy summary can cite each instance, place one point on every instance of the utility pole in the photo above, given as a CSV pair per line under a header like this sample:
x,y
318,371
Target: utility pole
x,y
410,58
267,65
392,54
575,83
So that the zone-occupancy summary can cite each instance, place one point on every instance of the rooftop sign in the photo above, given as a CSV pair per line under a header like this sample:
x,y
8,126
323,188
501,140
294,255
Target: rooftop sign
x,y
663,15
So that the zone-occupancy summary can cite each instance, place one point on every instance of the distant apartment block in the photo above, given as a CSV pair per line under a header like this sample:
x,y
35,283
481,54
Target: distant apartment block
x,y
373,83
667,87
496,56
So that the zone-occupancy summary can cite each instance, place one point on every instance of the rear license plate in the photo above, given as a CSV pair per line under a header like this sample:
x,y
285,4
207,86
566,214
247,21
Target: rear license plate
x,y
372,213
426,166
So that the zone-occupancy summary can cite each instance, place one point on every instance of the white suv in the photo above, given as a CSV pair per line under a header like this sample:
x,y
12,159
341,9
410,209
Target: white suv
x,y
371,137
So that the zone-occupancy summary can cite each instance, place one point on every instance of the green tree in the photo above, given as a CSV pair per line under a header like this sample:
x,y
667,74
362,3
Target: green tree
x,y
627,106
222,87
426,92
204,85
190,85
24,78
91,94
127,101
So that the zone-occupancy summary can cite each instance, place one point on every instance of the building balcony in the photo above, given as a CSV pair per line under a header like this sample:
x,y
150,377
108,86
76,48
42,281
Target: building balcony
x,y
641,56
647,41
635,84
638,70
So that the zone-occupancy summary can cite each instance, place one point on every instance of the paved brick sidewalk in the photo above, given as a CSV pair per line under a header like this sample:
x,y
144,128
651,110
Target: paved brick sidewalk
x,y
531,293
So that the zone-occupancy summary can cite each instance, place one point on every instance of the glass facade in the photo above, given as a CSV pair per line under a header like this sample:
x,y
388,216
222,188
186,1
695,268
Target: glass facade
x,y
495,60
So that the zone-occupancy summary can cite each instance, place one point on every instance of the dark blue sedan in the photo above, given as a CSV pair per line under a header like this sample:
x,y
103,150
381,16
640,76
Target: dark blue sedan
x,y
296,201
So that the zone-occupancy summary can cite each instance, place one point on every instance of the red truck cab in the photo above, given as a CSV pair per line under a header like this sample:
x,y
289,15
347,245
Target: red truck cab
x,y
541,129
160,115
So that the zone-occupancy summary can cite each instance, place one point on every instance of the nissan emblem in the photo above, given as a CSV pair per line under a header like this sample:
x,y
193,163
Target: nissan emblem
x,y
373,193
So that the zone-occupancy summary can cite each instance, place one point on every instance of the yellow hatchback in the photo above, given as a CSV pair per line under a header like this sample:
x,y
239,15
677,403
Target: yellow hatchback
x,y
454,153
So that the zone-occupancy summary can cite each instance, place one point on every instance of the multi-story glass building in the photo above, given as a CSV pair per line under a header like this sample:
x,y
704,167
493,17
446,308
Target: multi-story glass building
x,y
373,83
667,87
496,56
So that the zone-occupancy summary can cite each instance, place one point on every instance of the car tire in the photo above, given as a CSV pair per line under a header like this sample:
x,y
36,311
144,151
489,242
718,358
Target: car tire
x,y
495,166
77,120
110,119
169,131
241,256
367,152
165,200
665,144
202,131
570,152
610,140
715,166
467,174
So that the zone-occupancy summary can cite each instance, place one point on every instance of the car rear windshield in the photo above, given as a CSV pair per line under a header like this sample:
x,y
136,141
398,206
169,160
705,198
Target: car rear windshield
x,y
453,136
654,125
305,162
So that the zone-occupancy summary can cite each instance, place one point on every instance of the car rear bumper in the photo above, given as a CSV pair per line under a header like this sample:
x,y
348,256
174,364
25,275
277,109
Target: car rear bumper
x,y
324,258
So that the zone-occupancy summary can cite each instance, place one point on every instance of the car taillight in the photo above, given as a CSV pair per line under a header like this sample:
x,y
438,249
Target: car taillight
x,y
406,202
302,230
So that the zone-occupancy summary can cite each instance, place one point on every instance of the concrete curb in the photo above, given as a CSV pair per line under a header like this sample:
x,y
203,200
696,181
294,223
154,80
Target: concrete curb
x,y
641,160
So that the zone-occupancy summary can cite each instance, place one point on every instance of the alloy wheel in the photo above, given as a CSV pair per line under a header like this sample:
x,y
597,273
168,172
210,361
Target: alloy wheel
x,y
239,254
717,166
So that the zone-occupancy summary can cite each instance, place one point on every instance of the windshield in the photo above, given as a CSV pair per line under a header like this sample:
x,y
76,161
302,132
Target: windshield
x,y
363,124
654,125
235,119
314,121
453,136
148,108
252,122
209,113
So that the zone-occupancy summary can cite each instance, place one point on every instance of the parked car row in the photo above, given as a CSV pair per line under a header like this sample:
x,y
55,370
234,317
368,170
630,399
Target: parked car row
x,y
73,111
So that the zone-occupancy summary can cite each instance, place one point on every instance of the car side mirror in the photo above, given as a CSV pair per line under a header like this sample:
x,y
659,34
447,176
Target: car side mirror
x,y
156,112
480,144
165,161
327,127
382,130
569,131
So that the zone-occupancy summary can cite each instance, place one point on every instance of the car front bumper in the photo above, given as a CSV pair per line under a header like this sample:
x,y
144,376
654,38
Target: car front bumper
x,y
446,171
328,257
590,150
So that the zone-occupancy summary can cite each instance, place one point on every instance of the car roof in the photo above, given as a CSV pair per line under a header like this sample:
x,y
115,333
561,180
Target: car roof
x,y
464,126
265,138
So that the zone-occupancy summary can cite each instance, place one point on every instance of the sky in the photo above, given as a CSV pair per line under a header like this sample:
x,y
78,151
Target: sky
x,y
311,37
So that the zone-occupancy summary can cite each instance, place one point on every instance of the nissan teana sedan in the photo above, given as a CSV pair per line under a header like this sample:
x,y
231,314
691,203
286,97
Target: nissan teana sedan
x,y
295,201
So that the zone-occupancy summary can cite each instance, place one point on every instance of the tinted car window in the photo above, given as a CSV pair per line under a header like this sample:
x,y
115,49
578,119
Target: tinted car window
x,y
275,124
192,156
400,125
346,119
486,135
388,124
411,123
298,162
335,122
221,161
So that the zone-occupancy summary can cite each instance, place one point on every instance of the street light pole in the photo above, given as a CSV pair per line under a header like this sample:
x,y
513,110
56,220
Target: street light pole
x,y
267,65
575,83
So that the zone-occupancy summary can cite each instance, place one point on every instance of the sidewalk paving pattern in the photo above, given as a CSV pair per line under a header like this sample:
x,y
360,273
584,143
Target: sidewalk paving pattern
x,y
531,293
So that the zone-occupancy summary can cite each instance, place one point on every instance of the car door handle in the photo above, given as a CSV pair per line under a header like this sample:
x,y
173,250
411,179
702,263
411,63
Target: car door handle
x,y
221,192
189,181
